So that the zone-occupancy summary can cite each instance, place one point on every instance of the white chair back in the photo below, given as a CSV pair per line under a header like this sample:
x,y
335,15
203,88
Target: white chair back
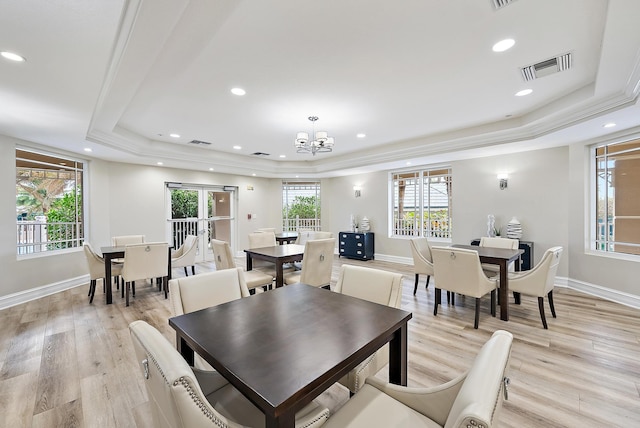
x,y
209,289
421,253
317,262
222,254
147,260
495,242
121,241
262,239
458,270
375,285
95,263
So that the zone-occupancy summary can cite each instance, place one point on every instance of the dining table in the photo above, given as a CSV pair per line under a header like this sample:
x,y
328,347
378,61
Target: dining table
x,y
279,255
109,253
283,348
501,257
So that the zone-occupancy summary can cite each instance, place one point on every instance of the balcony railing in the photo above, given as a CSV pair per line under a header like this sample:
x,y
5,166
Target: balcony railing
x,y
37,236
431,228
294,224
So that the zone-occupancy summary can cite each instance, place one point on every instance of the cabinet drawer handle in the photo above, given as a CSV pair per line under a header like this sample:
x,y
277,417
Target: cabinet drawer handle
x,y
359,252
341,242
357,236
359,244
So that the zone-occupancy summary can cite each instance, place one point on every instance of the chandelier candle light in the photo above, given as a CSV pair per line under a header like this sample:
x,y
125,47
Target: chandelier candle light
x,y
320,143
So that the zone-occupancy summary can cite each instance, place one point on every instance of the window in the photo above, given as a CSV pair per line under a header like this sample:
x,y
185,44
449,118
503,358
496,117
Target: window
x,y
49,207
300,205
422,203
617,183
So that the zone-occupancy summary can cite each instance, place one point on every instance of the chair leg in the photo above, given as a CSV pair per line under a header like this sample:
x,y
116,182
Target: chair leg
x,y
133,288
516,297
553,309
165,284
493,303
193,269
436,301
427,284
92,290
186,272
91,286
127,285
477,320
541,307
415,285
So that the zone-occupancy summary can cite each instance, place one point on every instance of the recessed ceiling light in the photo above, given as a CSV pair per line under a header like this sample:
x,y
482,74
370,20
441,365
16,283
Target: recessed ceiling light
x,y
523,92
237,147
210,169
408,163
283,156
174,135
503,45
254,174
159,163
361,135
609,125
238,91
12,56
88,149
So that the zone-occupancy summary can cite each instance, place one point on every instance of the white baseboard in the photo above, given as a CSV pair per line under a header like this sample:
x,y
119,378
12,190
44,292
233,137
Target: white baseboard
x,y
626,299
38,292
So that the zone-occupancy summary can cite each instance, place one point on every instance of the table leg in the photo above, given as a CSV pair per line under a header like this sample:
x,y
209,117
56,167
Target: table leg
x,y
398,357
279,274
249,262
504,291
107,277
285,420
184,349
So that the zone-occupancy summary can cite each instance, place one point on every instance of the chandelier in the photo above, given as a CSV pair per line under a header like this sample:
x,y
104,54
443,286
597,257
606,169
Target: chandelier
x,y
320,143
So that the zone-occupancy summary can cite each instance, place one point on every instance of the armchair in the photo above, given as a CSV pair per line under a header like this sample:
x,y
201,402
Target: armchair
x,y
95,263
539,281
422,260
186,255
182,397
473,399
142,261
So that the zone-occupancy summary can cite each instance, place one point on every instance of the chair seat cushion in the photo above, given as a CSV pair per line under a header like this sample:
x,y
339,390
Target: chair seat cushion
x,y
370,407
236,407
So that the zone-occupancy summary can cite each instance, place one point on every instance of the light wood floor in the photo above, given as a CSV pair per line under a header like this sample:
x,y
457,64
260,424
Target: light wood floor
x,y
66,363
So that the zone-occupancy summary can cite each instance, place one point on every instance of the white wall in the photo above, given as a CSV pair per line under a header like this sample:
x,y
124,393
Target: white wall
x,y
546,191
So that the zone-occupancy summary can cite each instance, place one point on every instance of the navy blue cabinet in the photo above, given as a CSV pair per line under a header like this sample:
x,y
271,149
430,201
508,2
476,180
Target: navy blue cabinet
x,y
356,245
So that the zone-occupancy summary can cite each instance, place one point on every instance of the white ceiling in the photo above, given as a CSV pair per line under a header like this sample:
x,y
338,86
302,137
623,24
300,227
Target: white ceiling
x,y
418,77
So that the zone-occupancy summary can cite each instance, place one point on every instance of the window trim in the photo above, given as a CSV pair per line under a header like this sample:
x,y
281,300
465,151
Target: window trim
x,y
591,217
420,176
85,199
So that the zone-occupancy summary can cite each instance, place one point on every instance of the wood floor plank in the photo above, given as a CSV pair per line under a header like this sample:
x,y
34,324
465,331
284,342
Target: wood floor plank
x,y
65,361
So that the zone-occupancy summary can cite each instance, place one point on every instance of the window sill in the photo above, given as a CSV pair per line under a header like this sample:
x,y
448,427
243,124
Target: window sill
x,y
612,255
20,257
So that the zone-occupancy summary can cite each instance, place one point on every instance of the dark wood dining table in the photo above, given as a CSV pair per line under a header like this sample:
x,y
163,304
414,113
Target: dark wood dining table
x,y
283,348
279,254
501,257
109,254
286,237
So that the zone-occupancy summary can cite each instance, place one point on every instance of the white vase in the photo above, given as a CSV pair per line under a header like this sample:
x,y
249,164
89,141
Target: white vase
x,y
514,229
491,230
364,224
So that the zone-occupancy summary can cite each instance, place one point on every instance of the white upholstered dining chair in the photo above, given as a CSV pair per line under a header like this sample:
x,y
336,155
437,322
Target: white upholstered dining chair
x,y
317,264
497,242
202,291
458,270
539,281
185,397
377,286
142,261
223,257
422,261
185,256
95,263
473,399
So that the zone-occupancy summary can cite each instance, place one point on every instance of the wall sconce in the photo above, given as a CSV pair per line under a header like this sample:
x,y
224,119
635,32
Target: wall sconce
x,y
357,191
503,177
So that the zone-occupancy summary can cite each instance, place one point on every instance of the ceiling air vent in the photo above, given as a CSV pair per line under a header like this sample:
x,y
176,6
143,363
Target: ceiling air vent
x,y
547,67
204,143
260,154
499,4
